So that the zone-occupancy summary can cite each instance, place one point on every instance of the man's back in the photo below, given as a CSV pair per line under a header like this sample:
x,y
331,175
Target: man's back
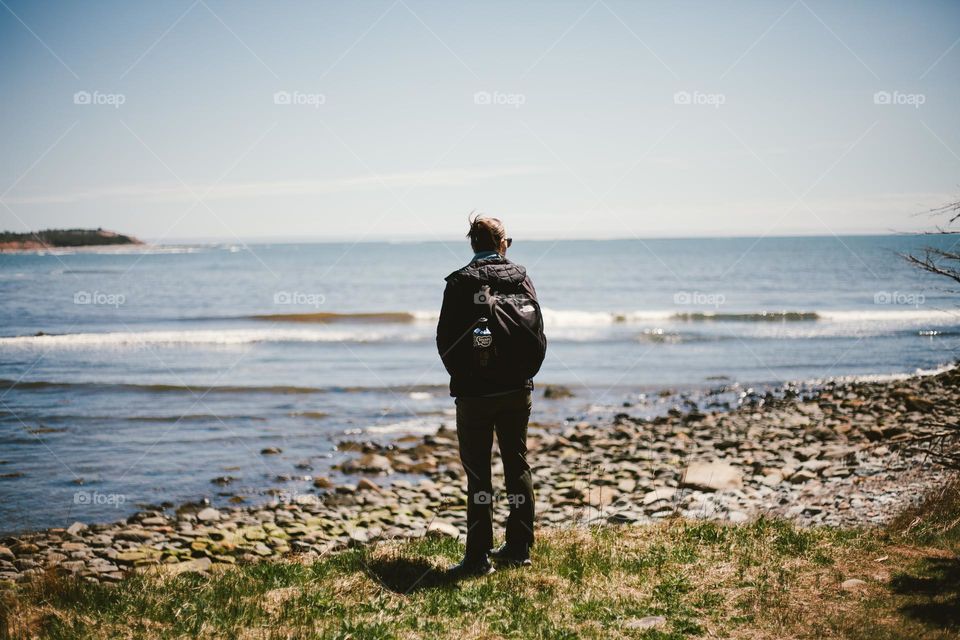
x,y
485,288
490,338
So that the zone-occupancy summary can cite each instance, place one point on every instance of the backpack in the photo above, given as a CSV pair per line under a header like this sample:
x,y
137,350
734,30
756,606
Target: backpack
x,y
516,325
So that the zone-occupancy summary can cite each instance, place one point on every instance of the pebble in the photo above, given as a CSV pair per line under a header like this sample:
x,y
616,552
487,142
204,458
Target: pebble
x,y
208,515
368,463
366,484
853,584
817,456
712,476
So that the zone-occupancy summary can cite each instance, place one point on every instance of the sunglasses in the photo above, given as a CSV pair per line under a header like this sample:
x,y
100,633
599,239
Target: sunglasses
x,y
509,242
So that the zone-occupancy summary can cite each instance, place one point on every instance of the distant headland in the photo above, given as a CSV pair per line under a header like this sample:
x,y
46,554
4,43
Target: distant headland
x,y
60,238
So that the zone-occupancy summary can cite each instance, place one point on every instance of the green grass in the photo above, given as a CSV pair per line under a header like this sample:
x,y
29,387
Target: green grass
x,y
765,579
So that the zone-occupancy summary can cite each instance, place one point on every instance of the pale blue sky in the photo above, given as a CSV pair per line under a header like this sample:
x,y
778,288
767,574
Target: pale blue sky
x,y
584,136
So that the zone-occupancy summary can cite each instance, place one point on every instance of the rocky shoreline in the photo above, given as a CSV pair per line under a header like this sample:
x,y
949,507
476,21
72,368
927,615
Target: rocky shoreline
x,y
845,454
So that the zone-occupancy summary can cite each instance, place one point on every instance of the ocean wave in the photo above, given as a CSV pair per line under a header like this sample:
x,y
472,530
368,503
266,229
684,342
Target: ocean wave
x,y
949,316
213,337
761,316
659,336
573,318
837,316
406,426
200,389
551,317
325,317
58,272
662,326
584,318
193,417
886,377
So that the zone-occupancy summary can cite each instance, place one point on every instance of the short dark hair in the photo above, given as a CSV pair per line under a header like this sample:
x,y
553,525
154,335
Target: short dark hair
x,y
486,234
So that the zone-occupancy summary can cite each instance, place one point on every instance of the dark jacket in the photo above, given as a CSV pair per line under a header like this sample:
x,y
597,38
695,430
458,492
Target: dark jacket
x,y
458,317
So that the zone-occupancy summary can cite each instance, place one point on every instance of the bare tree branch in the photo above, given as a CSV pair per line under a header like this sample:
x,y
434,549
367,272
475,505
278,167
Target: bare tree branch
x,y
952,209
942,447
930,264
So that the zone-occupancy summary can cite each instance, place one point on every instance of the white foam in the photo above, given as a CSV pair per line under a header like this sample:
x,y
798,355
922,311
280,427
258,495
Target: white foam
x,y
889,377
585,318
426,316
564,325
405,426
908,314
578,318
202,337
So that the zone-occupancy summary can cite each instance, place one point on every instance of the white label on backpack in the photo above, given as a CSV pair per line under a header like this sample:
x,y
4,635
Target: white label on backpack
x,y
527,308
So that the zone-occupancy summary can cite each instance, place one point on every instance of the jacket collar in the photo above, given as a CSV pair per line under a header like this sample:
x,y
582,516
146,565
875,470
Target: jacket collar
x,y
483,255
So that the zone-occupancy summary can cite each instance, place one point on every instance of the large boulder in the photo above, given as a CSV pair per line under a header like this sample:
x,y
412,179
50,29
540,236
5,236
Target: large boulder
x,y
712,476
442,529
197,565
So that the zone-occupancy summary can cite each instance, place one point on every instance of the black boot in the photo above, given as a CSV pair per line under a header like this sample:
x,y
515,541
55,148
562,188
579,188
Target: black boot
x,y
516,555
470,567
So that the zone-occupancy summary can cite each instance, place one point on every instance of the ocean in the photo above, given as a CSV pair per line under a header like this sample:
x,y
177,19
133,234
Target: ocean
x,y
135,376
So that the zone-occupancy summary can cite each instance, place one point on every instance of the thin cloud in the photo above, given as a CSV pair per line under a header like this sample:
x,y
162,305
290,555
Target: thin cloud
x,y
279,188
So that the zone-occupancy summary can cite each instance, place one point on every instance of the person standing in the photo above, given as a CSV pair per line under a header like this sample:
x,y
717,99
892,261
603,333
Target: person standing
x,y
490,338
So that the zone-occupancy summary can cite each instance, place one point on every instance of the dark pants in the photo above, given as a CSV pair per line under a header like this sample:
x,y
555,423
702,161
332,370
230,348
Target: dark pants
x,y
477,419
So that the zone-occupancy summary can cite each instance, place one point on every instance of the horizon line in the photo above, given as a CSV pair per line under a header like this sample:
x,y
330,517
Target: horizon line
x,y
206,240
